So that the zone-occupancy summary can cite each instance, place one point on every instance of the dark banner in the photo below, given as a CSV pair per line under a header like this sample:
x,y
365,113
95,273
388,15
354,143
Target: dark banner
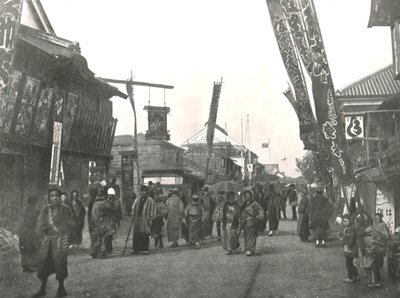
x,y
300,17
212,120
300,99
384,12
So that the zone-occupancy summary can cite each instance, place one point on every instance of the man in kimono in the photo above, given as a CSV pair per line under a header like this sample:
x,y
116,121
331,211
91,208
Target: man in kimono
x,y
79,212
194,219
251,215
116,215
320,211
104,226
205,201
54,225
176,213
274,210
143,212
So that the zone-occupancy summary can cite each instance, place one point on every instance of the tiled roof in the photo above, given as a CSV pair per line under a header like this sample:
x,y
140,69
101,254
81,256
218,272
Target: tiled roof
x,y
377,84
220,136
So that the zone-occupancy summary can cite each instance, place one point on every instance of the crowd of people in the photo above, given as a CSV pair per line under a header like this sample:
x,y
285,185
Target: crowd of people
x,y
60,223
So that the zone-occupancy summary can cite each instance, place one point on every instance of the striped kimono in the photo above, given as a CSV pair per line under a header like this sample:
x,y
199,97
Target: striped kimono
x,y
143,212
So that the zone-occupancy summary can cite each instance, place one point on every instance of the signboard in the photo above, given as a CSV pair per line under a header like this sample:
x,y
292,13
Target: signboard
x,y
354,127
55,153
385,206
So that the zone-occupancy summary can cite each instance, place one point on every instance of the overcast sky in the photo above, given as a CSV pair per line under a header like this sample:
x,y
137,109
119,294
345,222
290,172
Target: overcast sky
x,y
190,44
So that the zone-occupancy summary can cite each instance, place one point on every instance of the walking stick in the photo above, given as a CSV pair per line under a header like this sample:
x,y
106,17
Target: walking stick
x,y
127,237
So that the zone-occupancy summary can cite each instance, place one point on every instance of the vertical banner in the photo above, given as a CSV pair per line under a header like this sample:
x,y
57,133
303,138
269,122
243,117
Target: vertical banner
x,y
385,206
212,120
396,48
55,153
384,12
10,15
299,98
304,29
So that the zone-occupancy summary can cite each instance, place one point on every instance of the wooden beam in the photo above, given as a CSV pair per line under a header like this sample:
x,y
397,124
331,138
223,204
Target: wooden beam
x,y
137,83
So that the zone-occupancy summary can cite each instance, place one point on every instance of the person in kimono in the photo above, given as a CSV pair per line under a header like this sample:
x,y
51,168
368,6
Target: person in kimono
x,y
194,218
320,211
376,240
143,212
205,202
217,213
116,216
79,212
28,239
274,207
158,221
176,213
251,215
303,223
54,225
348,237
230,224
104,226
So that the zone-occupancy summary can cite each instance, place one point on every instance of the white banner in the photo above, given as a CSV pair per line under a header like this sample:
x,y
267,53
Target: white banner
x,y
354,127
55,153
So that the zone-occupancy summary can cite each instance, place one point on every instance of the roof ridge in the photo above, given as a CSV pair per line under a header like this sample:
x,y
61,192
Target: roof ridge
x,y
365,78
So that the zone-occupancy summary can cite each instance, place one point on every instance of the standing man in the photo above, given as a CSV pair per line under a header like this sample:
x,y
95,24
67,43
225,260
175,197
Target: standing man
x,y
104,226
205,199
176,213
116,216
143,212
292,198
320,211
54,225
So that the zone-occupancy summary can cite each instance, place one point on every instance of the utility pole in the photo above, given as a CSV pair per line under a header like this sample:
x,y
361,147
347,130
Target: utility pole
x,y
129,88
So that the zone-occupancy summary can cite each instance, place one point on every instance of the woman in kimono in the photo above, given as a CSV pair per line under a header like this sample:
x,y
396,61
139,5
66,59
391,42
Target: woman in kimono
x,y
274,210
194,219
54,225
217,213
28,239
79,211
158,221
303,226
176,213
252,214
143,212
230,224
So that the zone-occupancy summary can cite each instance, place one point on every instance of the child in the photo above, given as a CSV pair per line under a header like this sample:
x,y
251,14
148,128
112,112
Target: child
x,y
158,221
375,248
194,219
230,224
349,248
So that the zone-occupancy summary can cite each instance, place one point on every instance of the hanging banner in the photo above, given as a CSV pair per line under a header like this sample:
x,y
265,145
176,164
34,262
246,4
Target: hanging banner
x,y
303,25
385,206
354,126
55,153
300,99
212,119
10,15
384,12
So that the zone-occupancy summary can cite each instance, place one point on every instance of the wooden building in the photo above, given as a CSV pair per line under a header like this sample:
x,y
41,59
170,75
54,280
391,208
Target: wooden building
x,y
371,111
229,159
51,83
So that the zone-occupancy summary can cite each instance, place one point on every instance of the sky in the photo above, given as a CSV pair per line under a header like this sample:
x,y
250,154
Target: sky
x,y
191,44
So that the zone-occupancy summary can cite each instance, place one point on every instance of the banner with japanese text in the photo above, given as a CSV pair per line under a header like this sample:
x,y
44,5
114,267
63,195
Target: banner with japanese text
x,y
300,99
302,22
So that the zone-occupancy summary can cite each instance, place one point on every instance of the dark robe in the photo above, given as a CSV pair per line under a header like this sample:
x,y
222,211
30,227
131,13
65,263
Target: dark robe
x,y
54,225
143,211
29,241
303,223
320,211
274,209
79,212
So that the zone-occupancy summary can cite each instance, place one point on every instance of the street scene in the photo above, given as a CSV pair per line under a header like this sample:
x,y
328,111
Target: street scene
x,y
210,149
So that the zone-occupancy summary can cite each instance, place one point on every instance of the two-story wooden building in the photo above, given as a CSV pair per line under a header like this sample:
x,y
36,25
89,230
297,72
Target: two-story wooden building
x,y
52,94
371,111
